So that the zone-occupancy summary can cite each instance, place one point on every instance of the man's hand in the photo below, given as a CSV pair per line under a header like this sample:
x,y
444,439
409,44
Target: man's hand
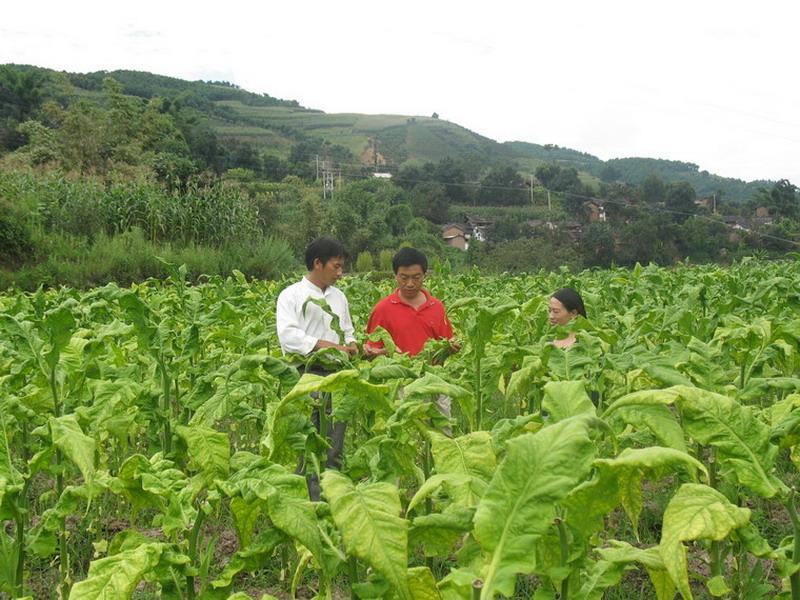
x,y
455,345
373,351
350,350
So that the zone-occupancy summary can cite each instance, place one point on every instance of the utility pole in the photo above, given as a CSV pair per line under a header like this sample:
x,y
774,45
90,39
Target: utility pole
x,y
549,206
714,202
317,159
327,179
532,196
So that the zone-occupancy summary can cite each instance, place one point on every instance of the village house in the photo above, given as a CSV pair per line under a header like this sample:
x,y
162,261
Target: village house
x,y
596,210
455,235
478,226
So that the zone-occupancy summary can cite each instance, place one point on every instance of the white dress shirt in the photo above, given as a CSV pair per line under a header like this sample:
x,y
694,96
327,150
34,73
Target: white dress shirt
x,y
299,333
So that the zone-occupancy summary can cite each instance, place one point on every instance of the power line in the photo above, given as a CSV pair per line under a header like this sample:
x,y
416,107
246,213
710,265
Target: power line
x,y
623,203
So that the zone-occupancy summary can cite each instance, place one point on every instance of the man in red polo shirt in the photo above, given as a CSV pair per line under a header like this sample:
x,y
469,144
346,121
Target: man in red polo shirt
x,y
410,314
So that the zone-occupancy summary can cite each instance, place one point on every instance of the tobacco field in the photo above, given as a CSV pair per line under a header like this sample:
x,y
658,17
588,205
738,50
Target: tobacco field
x,y
151,439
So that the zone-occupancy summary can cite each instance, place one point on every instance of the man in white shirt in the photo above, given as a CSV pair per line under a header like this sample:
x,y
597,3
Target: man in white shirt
x,y
303,333
304,330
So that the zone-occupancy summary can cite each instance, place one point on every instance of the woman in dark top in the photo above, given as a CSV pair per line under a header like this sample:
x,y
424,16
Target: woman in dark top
x,y
565,305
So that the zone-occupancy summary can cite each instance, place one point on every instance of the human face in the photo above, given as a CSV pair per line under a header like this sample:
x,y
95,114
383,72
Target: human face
x,y
558,313
327,274
409,281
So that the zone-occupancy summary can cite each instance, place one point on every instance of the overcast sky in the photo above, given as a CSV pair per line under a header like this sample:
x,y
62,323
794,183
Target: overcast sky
x,y
714,83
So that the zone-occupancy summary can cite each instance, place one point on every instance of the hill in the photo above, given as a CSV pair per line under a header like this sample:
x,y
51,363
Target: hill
x,y
280,127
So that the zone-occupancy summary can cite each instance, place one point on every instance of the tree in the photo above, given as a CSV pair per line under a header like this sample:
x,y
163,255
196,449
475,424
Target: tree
x,y
504,230
610,173
20,96
503,186
653,189
429,200
649,239
274,168
451,176
781,201
546,174
597,245
680,198
701,239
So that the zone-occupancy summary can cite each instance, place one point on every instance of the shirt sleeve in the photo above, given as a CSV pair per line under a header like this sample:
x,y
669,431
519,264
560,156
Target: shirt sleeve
x,y
372,324
291,335
347,324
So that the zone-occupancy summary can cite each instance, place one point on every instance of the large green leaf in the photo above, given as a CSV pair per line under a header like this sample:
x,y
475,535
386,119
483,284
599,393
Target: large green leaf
x,y
116,577
622,553
59,324
539,470
335,382
470,455
619,481
438,532
422,584
209,450
285,496
254,557
466,490
565,399
431,385
367,515
741,439
76,445
648,409
696,512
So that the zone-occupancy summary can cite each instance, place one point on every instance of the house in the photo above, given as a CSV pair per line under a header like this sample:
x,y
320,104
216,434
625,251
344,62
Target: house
x,y
477,226
761,212
539,225
382,175
456,235
737,223
572,228
596,210
707,203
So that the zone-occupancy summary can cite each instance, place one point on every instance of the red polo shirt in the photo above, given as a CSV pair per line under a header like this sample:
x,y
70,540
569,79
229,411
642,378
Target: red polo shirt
x,y
410,328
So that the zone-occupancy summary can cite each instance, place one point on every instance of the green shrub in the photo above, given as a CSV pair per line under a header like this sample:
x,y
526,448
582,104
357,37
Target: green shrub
x,y
364,262
16,244
385,260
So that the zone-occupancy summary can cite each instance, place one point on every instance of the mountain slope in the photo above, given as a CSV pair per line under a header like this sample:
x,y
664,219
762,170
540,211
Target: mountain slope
x,y
275,126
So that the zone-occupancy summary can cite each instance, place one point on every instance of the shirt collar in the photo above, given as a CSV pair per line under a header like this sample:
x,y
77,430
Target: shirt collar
x,y
314,287
394,298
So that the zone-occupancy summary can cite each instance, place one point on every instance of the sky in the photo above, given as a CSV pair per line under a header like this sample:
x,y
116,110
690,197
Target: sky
x,y
712,83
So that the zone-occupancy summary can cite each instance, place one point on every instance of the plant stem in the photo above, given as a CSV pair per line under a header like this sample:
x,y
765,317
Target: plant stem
x,y
167,444
794,579
562,538
427,459
716,546
63,557
478,393
352,573
477,587
198,523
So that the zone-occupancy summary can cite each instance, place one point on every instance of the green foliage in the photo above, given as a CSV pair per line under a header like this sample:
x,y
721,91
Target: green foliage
x,y
503,186
364,262
166,412
385,260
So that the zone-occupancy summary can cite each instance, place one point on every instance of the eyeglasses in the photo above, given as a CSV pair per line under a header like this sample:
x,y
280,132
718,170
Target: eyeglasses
x,y
406,278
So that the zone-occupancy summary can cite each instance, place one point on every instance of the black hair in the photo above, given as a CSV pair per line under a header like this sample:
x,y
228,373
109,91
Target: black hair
x,y
571,300
324,249
408,257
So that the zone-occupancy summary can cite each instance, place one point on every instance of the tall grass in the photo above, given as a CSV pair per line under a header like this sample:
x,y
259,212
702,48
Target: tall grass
x,y
57,231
